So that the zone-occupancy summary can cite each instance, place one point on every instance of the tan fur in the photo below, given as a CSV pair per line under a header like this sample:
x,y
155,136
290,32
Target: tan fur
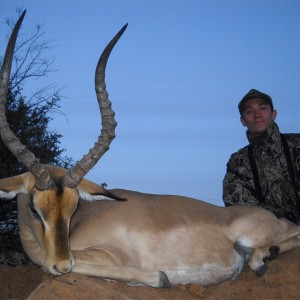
x,y
145,239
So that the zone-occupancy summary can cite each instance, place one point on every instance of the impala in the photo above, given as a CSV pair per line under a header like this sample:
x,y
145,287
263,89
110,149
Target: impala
x,y
156,240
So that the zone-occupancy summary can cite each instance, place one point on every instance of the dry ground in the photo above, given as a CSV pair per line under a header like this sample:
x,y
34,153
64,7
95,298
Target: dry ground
x,y
282,281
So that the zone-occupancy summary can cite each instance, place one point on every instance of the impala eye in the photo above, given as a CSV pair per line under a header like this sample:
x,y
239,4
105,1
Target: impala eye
x,y
33,210
35,213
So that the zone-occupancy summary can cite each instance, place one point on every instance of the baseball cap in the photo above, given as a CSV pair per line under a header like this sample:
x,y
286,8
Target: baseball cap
x,y
254,94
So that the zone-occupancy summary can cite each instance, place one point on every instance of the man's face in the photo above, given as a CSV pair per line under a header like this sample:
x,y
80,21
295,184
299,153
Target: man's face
x,y
257,115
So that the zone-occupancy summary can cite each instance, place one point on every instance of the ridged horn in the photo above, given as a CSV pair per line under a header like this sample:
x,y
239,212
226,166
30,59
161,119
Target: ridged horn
x,y
82,167
20,151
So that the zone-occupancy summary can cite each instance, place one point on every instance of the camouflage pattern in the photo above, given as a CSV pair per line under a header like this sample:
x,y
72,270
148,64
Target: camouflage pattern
x,y
277,188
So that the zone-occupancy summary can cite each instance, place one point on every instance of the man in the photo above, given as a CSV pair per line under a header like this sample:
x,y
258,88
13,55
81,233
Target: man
x,y
266,173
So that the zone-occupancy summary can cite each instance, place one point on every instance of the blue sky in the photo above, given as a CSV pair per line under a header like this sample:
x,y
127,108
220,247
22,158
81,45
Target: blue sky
x,y
175,79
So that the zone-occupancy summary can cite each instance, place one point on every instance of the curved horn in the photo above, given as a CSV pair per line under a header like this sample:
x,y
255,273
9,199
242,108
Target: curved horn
x,y
77,172
20,151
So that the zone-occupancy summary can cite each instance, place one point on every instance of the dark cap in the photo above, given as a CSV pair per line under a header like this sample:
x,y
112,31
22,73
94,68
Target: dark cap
x,y
254,94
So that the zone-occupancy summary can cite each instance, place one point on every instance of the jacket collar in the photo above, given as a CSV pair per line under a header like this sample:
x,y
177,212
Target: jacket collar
x,y
269,137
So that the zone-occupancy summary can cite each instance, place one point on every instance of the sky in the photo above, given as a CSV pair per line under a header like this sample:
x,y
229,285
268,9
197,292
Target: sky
x,y
174,79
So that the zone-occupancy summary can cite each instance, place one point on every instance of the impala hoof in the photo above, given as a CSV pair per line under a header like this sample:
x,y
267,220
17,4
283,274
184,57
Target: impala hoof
x,y
274,251
261,270
164,280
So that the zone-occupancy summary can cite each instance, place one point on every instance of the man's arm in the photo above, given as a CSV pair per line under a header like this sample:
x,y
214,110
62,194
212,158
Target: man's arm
x,y
238,185
237,191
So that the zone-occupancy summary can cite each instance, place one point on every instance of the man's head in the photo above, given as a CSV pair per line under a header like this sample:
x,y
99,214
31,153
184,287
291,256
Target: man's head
x,y
257,111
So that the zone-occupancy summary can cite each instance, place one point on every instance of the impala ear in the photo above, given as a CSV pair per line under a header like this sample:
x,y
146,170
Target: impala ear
x,y
10,187
90,191
9,194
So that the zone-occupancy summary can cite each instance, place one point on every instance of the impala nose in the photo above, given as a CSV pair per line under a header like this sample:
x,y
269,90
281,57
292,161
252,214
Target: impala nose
x,y
64,266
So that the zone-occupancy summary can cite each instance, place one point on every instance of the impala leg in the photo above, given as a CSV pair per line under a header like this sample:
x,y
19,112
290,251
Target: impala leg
x,y
289,244
260,255
130,275
105,264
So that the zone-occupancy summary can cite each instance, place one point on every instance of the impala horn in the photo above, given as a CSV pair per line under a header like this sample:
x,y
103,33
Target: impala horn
x,y
20,151
82,167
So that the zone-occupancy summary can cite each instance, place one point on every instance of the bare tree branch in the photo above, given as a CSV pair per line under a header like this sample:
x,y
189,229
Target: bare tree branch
x,y
32,60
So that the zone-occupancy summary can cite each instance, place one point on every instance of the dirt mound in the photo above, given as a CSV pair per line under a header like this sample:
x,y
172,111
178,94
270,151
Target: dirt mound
x,y
19,281
282,281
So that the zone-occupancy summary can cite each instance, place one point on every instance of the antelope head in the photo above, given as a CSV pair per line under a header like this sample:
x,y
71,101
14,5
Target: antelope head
x,y
54,192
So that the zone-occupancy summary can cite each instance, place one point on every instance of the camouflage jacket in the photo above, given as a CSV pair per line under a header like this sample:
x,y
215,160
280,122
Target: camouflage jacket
x,y
279,194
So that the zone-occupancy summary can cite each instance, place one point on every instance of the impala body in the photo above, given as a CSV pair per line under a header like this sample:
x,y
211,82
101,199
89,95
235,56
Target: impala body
x,y
156,240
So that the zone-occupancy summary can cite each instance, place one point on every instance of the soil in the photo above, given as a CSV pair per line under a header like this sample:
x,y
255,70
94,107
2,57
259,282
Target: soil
x,y
281,281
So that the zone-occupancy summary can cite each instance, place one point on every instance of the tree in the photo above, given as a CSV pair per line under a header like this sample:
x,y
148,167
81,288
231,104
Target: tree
x,y
30,124
29,119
